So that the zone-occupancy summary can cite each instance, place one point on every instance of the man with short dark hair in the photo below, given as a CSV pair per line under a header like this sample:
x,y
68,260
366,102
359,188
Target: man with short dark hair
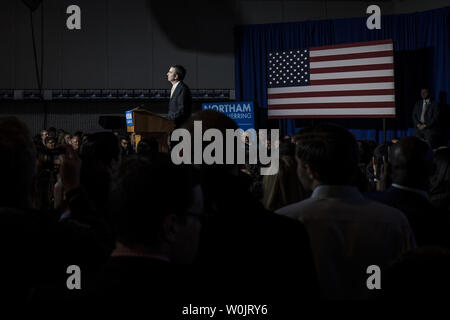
x,y
245,250
75,142
156,233
180,103
412,167
125,147
52,132
67,138
50,143
426,119
348,232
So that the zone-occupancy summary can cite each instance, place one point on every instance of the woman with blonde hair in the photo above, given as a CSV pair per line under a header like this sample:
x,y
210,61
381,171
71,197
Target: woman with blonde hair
x,y
283,188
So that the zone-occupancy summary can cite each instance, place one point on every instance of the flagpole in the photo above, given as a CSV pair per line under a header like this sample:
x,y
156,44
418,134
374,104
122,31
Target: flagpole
x,y
384,130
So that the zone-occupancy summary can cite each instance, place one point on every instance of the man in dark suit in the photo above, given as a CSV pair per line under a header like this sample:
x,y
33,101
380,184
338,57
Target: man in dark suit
x,y
411,167
246,251
180,103
155,237
426,119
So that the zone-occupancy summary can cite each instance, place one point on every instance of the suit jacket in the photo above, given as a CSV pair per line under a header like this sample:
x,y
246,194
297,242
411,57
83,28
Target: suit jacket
x,y
248,252
431,114
143,282
427,222
180,105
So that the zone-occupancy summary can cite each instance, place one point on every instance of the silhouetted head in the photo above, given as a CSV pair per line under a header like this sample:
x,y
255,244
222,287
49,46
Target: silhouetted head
x,y
441,178
211,119
157,208
425,93
326,154
99,154
412,163
179,72
147,147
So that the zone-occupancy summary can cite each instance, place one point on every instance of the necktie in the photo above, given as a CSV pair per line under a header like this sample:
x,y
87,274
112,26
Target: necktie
x,y
424,109
171,92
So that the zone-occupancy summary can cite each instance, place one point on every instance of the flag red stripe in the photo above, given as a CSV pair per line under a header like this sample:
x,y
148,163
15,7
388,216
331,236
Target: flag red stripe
x,y
367,67
374,92
350,56
351,80
351,45
334,116
331,105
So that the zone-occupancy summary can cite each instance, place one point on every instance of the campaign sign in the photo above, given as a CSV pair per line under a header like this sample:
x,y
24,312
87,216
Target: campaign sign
x,y
241,112
129,117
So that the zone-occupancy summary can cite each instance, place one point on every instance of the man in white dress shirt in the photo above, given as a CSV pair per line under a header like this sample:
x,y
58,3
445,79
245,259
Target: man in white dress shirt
x,y
348,232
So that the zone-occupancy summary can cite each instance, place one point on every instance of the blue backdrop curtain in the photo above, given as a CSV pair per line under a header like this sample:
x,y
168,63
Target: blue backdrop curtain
x,y
421,58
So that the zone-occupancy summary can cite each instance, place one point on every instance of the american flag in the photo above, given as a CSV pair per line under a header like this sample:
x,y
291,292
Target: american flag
x,y
353,80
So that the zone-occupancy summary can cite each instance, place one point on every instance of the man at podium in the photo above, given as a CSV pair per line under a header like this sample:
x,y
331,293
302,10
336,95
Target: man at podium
x,y
180,103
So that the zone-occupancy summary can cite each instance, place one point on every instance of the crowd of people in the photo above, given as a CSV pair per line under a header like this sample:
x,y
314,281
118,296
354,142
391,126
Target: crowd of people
x,y
142,229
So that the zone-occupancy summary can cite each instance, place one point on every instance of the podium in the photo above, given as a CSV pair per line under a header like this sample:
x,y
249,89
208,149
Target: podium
x,y
147,124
